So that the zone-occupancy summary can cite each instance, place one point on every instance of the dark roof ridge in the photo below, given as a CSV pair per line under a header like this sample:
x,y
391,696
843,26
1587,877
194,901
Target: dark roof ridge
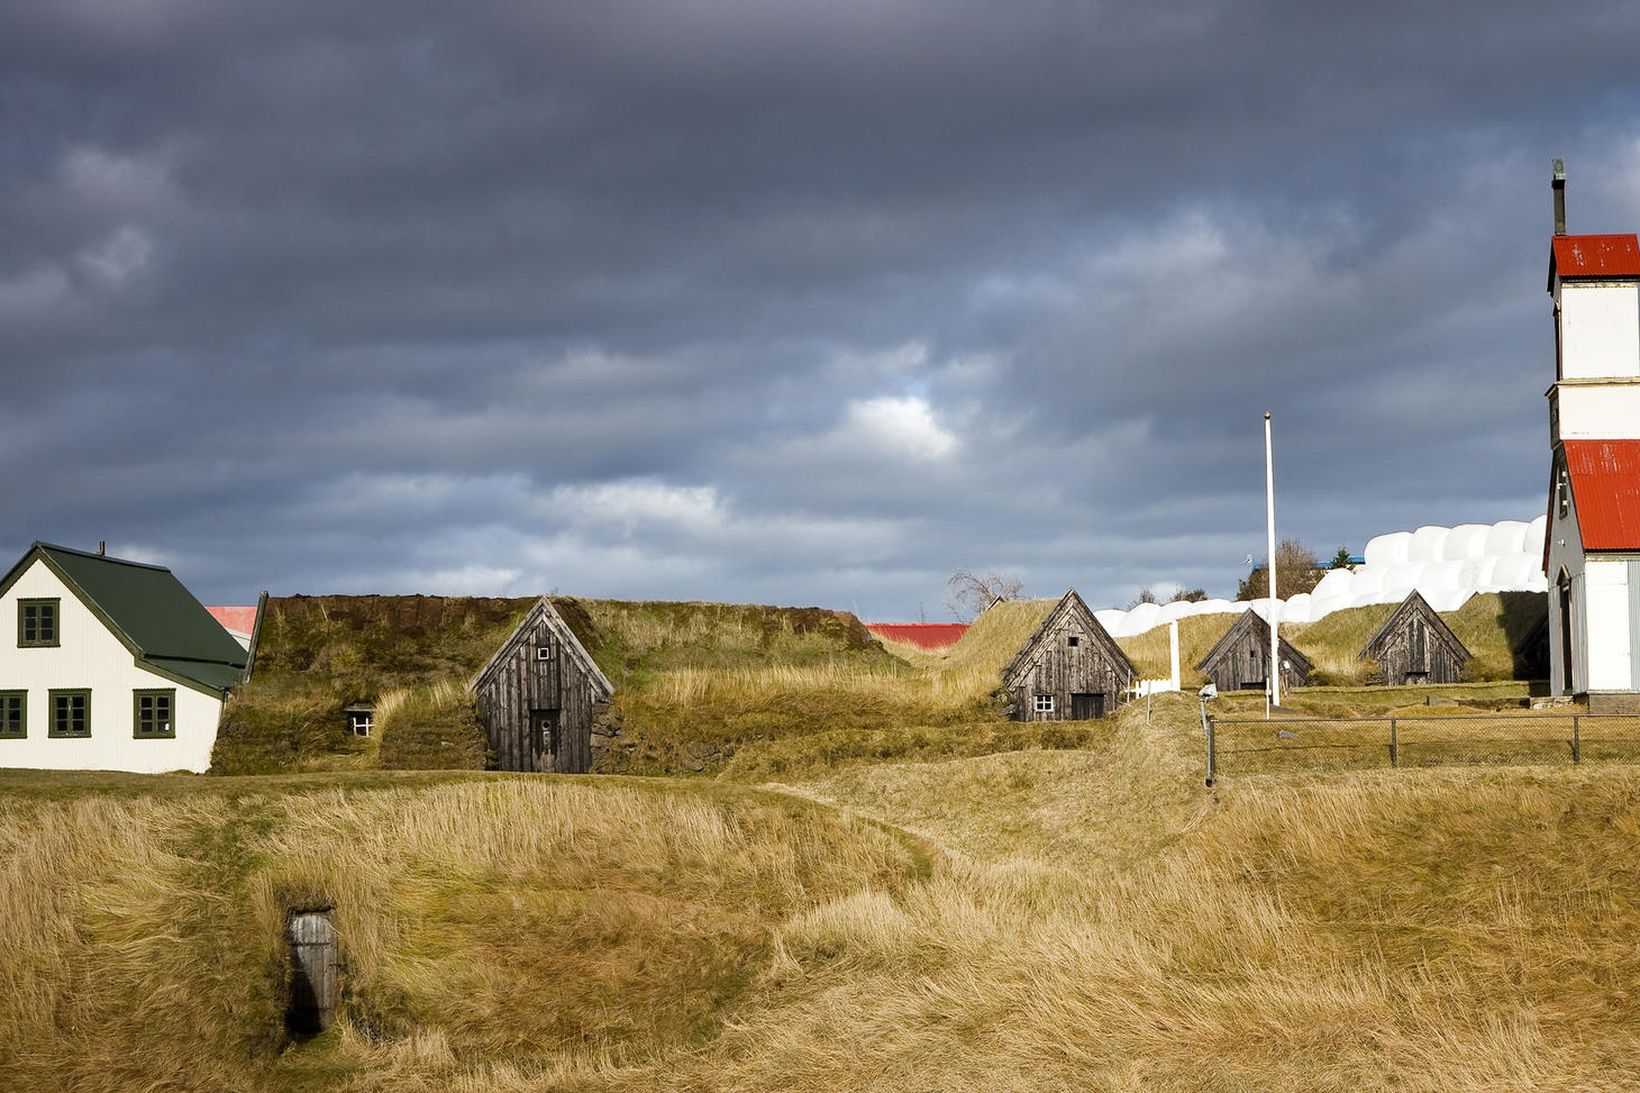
x,y
99,557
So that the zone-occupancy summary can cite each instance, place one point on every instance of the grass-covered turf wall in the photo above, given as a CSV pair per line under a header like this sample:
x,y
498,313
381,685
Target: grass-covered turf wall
x,y
694,682
411,655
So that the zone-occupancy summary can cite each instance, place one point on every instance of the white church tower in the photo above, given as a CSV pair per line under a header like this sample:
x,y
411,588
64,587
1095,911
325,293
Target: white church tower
x,y
1592,553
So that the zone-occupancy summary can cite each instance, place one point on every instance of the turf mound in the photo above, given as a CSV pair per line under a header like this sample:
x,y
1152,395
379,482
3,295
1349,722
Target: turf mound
x,y
693,681
490,921
317,654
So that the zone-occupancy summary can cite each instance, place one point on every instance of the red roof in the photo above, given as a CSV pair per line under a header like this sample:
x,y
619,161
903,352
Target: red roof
x,y
241,619
1574,256
924,635
1606,489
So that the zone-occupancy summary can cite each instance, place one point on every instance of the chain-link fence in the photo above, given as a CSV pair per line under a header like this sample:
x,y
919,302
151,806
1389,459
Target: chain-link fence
x,y
1282,744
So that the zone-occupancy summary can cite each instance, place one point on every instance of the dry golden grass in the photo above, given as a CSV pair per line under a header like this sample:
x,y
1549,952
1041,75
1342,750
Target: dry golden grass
x,y
1092,919
1453,929
497,918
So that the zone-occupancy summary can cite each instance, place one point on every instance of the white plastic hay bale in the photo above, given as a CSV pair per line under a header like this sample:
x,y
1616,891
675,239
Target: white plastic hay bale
x,y
1440,577
1449,600
1297,609
1519,573
1141,618
1369,580
1505,538
1427,543
1321,607
1464,542
1111,619
1173,612
1382,550
1335,583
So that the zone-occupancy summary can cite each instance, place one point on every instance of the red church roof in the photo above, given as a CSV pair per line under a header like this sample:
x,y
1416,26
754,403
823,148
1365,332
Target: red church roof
x,y
241,619
1595,256
924,635
1606,488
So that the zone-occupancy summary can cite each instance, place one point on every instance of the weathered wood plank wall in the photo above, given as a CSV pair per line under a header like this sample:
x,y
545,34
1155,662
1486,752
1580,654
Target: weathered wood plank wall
x,y
538,701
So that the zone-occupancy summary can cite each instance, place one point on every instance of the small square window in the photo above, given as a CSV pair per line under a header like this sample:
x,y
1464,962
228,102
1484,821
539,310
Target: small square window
x,y
13,715
361,722
153,715
70,713
37,625
1044,703
543,652
1073,641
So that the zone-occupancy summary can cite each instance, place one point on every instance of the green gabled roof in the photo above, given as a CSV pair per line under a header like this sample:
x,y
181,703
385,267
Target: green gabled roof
x,y
150,611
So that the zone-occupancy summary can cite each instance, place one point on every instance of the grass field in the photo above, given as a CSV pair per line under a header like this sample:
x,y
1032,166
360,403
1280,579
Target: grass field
x,y
1083,917
879,883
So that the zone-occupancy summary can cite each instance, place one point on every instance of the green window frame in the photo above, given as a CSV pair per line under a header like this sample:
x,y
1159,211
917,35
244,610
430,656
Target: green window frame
x,y
68,713
154,714
13,715
39,623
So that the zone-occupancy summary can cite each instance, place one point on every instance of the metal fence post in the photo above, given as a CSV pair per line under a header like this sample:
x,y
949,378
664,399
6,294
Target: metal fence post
x,y
1212,757
1577,739
1394,745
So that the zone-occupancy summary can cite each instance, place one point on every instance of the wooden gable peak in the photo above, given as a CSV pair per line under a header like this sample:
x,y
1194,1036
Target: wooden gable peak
x,y
1250,622
543,611
1415,604
1069,604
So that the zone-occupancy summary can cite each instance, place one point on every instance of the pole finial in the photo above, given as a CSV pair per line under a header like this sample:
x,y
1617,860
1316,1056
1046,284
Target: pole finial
x,y
1558,184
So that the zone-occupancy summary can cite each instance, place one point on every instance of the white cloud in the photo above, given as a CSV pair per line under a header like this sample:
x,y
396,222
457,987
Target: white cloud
x,y
897,426
632,504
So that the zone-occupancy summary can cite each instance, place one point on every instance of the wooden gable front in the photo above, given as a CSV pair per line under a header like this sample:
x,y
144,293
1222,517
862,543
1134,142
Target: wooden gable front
x,y
1069,669
539,695
1415,645
1240,660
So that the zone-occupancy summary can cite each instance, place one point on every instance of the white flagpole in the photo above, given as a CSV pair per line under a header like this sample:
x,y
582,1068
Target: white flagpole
x,y
1273,692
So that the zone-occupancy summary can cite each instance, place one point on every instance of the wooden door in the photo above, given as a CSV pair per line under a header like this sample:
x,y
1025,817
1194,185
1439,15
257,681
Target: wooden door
x,y
314,964
544,739
1087,707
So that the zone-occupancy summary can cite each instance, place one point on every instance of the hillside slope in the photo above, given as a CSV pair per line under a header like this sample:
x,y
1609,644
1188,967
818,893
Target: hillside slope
x,y
489,920
1090,919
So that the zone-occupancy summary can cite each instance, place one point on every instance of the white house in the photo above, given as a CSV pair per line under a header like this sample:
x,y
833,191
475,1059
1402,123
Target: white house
x,y
112,665
1592,547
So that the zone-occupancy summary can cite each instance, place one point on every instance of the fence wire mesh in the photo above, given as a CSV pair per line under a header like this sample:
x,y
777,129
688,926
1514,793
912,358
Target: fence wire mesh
x,y
1257,746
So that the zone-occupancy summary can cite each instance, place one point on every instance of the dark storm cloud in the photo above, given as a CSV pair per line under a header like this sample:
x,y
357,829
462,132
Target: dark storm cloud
x,y
783,302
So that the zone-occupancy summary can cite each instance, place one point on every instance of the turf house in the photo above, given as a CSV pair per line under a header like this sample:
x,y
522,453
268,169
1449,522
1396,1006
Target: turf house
x,y
538,696
1240,660
1069,670
1415,645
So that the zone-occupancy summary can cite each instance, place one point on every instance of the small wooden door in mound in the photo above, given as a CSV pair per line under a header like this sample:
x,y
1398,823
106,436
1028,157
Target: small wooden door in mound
x,y
313,973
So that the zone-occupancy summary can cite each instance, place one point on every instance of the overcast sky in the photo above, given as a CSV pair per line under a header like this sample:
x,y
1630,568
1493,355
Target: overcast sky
x,y
791,303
